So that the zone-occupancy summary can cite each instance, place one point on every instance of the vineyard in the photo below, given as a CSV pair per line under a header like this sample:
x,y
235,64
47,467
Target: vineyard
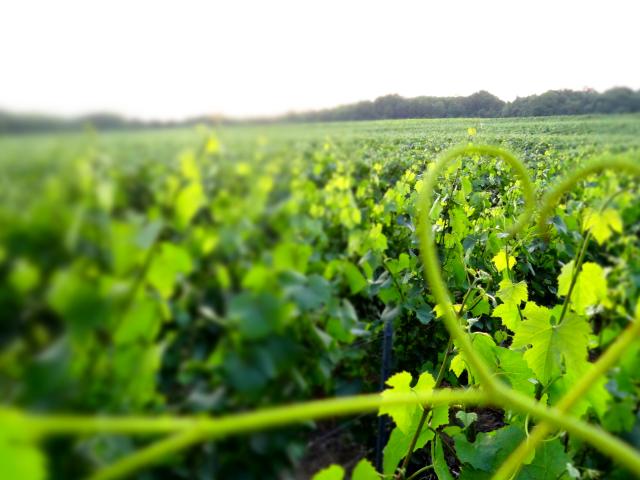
x,y
411,299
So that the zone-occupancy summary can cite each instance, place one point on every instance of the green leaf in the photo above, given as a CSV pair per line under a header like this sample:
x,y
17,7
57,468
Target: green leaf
x,y
602,224
376,240
425,383
125,253
514,369
292,256
508,314
621,417
398,444
142,321
170,262
466,185
188,202
401,414
424,313
484,345
311,293
223,276
439,463
257,314
75,297
213,145
24,276
508,366
332,472
189,166
500,261
458,365
440,310
489,449
590,288
549,463
513,293
439,416
258,277
20,458
533,311
356,280
467,418
597,397
364,471
550,344
399,441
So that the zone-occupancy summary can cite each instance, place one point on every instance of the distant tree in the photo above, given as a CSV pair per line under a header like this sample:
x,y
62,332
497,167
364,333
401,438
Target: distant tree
x,y
483,104
618,100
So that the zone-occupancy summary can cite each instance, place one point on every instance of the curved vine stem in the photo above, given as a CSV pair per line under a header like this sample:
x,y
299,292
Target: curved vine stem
x,y
191,430
430,262
606,162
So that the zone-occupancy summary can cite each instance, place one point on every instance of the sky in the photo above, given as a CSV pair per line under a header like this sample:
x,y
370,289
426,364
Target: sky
x,y
167,59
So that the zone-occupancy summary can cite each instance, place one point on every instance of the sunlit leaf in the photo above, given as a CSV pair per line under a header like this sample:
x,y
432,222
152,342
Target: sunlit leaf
x,y
332,472
20,458
590,287
167,265
550,346
513,293
500,261
602,224
364,471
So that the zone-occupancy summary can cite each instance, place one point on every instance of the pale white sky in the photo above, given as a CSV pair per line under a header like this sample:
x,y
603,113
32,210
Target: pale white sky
x,y
171,59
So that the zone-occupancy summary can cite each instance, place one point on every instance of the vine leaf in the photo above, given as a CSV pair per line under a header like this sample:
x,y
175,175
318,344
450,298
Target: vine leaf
x,y
332,472
533,311
364,471
590,288
500,261
513,293
597,397
488,449
399,442
354,277
188,202
602,224
407,418
20,458
549,344
508,314
484,346
513,368
550,463
401,383
506,364
439,463
166,266
440,309
467,418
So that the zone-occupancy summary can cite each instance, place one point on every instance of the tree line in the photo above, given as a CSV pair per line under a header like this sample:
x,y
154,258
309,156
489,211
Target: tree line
x,y
479,104
482,104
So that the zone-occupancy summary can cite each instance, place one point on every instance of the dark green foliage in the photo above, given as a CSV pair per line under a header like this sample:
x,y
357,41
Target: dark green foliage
x,y
192,272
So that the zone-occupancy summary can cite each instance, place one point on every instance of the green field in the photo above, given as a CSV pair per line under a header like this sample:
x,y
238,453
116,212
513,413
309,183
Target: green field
x,y
154,279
